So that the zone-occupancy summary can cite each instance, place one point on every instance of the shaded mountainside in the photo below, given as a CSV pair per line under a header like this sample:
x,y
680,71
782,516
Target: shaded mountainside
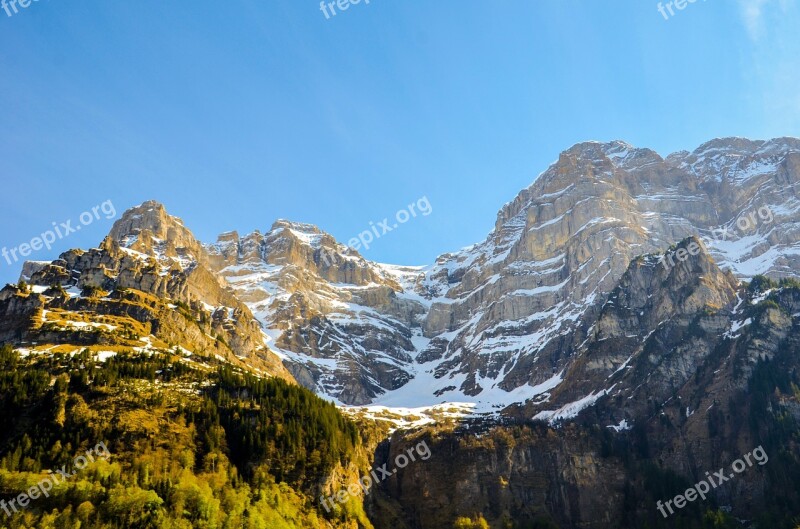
x,y
695,371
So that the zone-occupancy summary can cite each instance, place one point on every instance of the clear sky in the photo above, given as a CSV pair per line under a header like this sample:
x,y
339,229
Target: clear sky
x,y
237,113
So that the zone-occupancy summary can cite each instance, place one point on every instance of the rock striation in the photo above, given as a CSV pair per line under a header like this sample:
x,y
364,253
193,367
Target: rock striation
x,y
497,323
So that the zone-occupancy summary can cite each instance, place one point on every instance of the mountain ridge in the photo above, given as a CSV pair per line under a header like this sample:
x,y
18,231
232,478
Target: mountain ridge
x,y
505,315
611,340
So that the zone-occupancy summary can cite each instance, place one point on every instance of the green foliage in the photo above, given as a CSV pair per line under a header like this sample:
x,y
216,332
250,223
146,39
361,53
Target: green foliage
x,y
719,520
778,432
190,449
790,283
269,420
760,284
770,304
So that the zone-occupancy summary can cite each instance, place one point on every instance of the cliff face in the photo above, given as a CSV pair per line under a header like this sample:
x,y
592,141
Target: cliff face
x,y
506,475
494,324
491,323
148,286
512,310
684,372
600,338
345,325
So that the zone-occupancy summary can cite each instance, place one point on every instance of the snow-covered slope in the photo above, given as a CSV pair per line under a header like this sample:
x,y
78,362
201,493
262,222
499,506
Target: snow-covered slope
x,y
510,312
500,321
345,326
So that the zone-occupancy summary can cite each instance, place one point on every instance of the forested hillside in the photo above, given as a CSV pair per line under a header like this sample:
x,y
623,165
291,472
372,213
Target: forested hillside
x,y
190,446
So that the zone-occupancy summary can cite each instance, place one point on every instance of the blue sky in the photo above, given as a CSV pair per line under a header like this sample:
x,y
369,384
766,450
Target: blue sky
x,y
237,113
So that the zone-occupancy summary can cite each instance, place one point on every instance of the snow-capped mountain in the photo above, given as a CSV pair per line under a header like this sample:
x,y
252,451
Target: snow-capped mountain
x,y
508,319
345,326
499,322
511,311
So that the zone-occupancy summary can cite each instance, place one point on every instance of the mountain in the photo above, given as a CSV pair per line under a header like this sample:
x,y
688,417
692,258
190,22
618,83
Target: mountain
x,y
344,325
685,373
628,325
148,286
498,322
493,324
511,311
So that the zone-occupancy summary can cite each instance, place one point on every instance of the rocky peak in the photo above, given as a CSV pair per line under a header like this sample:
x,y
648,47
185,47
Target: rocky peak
x,y
320,299
682,281
311,253
506,309
309,233
734,161
737,147
152,274
666,315
150,217
508,313
229,237
148,229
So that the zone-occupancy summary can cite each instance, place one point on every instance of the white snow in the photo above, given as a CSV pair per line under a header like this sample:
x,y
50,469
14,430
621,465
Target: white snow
x,y
735,327
571,410
621,427
102,356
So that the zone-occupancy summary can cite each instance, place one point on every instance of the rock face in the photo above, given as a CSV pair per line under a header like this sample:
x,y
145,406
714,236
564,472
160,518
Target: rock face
x,y
683,373
509,477
344,324
493,324
511,310
661,322
152,275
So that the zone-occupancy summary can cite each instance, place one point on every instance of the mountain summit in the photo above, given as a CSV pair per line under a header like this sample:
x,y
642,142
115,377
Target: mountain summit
x,y
629,324
499,323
